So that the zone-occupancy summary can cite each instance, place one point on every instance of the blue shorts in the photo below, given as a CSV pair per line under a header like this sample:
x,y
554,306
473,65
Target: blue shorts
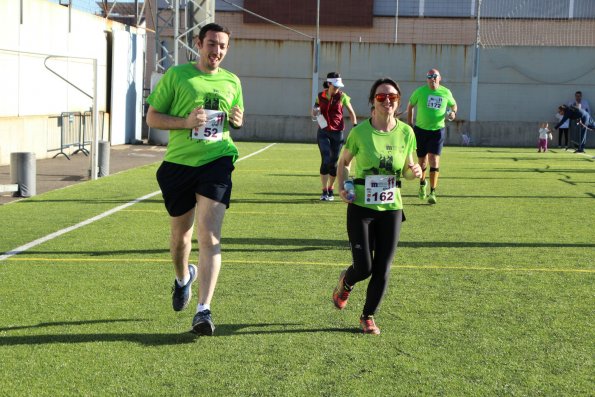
x,y
181,183
429,141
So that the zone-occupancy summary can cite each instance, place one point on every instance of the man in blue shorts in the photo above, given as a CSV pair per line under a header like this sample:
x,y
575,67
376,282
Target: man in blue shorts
x,y
433,102
198,102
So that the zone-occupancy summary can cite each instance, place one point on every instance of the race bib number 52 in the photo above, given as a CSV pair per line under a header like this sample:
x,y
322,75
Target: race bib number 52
x,y
380,189
213,129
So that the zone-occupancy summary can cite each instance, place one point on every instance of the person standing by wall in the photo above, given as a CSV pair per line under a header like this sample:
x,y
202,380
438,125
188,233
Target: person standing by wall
x,y
198,102
562,131
432,102
581,103
330,104
383,148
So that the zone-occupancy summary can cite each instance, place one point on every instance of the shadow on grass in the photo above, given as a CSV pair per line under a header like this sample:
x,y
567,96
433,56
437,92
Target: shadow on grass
x,y
547,169
313,175
34,200
308,245
309,198
149,339
63,323
238,329
252,245
484,197
153,339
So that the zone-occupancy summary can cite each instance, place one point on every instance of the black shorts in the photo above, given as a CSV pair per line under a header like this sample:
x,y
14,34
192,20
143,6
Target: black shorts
x,y
429,141
180,183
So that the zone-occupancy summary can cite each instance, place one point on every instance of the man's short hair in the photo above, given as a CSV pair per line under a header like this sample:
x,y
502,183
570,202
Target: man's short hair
x,y
215,27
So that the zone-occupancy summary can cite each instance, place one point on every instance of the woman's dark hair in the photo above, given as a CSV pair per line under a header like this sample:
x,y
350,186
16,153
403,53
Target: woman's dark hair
x,y
379,82
331,75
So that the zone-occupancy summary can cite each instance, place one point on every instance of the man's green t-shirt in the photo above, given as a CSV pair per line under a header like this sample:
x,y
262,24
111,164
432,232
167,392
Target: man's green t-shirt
x,y
379,153
431,106
184,88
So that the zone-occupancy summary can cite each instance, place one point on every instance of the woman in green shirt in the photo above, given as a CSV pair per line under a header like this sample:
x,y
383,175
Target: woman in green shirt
x,y
383,148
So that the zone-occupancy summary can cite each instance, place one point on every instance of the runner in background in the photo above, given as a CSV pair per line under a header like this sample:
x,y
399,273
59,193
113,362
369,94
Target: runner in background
x,y
328,109
434,102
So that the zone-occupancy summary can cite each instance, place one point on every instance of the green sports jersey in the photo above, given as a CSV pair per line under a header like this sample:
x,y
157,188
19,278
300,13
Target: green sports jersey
x,y
431,106
184,88
379,153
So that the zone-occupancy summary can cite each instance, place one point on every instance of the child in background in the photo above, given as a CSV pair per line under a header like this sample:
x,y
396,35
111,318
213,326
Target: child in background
x,y
544,135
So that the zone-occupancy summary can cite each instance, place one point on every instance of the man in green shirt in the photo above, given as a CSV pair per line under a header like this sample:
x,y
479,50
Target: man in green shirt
x,y
434,103
198,102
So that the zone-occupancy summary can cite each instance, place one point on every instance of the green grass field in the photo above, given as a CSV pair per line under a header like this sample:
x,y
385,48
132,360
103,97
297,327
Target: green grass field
x,y
491,292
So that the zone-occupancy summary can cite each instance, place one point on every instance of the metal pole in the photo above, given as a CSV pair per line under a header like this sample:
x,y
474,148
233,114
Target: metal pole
x,y
474,78
157,47
95,124
176,29
316,55
69,16
397,22
136,18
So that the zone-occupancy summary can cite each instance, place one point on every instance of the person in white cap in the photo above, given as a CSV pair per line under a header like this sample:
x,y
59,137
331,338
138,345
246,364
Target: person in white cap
x,y
330,104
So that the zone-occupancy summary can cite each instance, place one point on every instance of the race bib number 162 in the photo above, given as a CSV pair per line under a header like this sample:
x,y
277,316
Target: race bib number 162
x,y
381,189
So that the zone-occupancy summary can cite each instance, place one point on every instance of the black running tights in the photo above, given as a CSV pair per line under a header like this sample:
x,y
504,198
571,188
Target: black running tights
x,y
373,236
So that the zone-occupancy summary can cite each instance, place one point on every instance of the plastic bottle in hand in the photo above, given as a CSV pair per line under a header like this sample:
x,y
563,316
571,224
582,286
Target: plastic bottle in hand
x,y
319,118
350,189
316,113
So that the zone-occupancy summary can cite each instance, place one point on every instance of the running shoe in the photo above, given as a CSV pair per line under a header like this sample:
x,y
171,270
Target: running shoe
x,y
368,325
432,197
324,196
341,292
202,324
330,195
181,295
422,190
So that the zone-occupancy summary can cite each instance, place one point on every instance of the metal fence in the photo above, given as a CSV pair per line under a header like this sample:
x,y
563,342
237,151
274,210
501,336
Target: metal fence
x,y
76,132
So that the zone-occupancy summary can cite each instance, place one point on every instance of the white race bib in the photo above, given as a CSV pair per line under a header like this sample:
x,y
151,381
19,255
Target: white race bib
x,y
434,102
213,129
381,189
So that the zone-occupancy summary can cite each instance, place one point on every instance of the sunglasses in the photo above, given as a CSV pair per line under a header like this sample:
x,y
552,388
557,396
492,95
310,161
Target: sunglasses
x,y
432,76
382,97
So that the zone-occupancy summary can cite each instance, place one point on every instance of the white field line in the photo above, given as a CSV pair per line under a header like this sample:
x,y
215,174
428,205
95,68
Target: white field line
x,y
52,236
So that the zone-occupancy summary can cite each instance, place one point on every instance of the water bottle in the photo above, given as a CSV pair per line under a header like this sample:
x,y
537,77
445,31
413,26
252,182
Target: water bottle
x,y
316,113
318,117
350,189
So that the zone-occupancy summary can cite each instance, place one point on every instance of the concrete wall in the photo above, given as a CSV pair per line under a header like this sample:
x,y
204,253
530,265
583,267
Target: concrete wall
x,y
518,87
32,96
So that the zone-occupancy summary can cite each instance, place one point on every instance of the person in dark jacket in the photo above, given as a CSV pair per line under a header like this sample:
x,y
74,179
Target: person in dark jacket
x,y
581,116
